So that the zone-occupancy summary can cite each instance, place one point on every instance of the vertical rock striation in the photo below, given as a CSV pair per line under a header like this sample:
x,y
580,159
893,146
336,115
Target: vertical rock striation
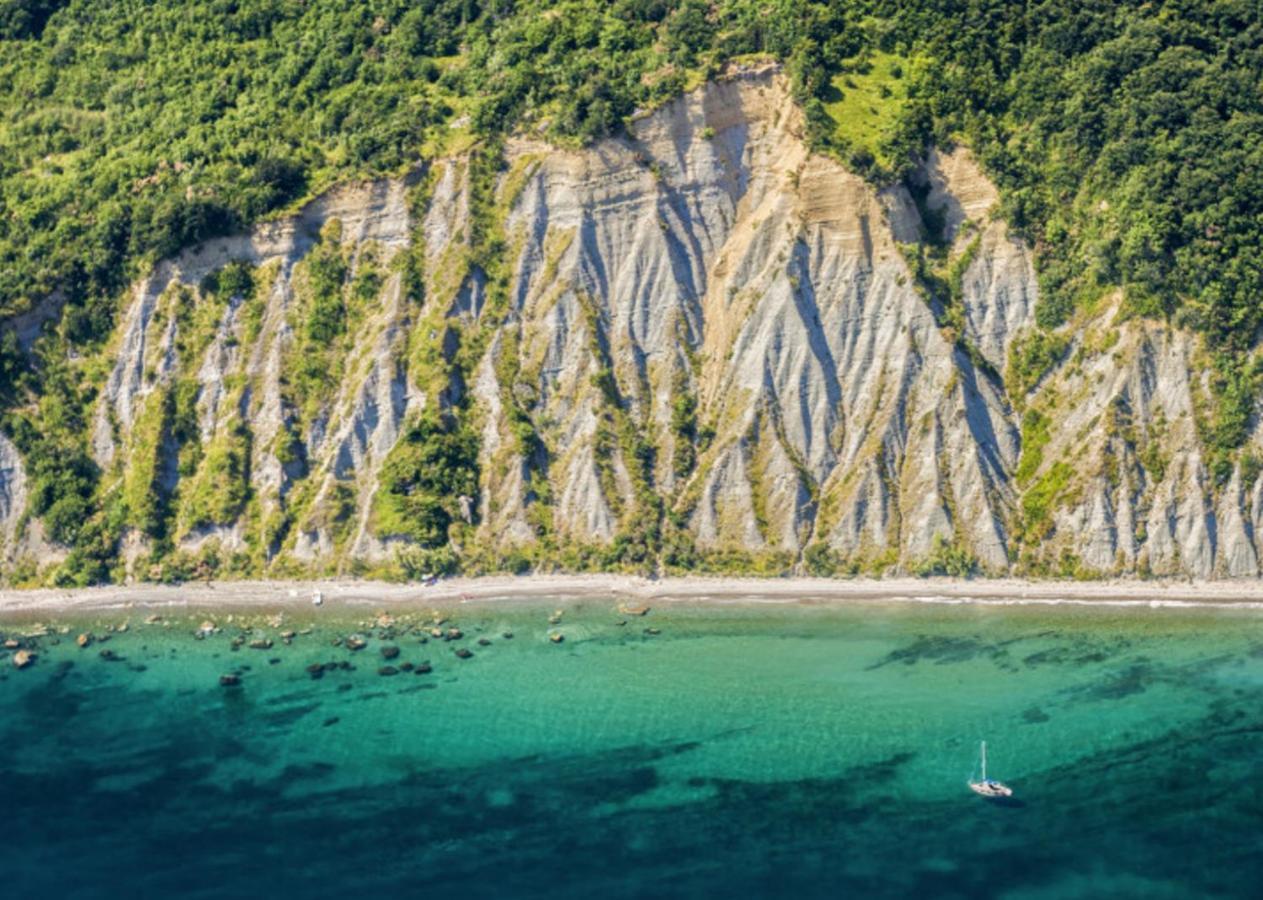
x,y
699,329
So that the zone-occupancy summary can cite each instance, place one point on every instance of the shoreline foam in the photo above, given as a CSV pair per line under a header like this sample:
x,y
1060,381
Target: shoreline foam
x,y
692,589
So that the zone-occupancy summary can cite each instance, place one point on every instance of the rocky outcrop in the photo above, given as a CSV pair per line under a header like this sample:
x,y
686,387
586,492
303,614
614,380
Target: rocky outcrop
x,y
700,326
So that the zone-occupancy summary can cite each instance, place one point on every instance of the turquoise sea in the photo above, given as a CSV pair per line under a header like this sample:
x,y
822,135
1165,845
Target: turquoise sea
x,y
740,751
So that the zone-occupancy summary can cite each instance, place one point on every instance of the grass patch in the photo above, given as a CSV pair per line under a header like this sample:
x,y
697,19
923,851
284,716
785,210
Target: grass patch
x,y
864,102
433,464
1035,436
946,557
1037,503
1031,357
217,493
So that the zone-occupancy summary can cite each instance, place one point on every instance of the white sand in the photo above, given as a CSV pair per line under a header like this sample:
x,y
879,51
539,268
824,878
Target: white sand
x,y
335,593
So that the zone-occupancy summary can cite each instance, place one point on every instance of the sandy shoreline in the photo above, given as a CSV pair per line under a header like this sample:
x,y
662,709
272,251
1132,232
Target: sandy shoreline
x,y
695,589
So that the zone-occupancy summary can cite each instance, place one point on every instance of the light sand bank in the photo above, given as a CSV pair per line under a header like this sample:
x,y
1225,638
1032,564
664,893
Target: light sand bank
x,y
336,593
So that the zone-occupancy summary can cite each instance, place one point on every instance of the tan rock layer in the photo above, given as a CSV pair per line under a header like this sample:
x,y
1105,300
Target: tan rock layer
x,y
709,252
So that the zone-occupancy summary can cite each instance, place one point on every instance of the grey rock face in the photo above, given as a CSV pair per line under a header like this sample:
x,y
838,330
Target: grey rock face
x,y
710,290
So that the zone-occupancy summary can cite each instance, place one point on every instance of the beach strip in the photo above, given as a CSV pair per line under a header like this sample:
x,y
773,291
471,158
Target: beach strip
x,y
635,590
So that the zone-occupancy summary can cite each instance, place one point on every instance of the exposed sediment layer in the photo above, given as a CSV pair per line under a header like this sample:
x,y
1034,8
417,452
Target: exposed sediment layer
x,y
702,324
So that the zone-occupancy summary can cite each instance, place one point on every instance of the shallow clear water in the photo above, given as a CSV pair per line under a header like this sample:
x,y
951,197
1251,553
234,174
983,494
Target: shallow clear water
x,y
743,751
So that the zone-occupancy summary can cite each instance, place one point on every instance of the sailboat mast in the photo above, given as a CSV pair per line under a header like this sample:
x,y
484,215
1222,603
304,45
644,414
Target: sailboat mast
x,y
984,760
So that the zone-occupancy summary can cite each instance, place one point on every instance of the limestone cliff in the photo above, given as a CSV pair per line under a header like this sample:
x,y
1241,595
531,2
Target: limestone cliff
x,y
697,345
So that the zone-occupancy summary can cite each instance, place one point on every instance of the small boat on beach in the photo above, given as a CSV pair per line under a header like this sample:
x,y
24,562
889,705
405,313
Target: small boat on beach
x,y
988,787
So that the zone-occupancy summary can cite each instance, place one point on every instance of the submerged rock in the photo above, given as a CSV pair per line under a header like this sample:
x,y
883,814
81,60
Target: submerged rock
x,y
110,656
483,642
232,679
556,637
316,671
261,644
423,668
464,652
355,642
387,670
633,609
390,652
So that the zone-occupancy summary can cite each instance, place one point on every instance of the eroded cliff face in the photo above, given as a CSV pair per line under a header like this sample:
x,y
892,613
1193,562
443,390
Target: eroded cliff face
x,y
698,343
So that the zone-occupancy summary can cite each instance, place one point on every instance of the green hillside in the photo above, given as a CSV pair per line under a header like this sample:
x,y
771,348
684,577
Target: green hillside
x,y
1126,138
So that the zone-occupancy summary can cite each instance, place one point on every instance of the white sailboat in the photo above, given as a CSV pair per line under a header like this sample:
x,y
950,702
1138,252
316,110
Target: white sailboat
x,y
988,787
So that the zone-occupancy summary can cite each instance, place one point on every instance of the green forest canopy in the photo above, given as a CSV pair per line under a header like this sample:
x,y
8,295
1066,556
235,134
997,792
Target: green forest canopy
x,y
130,129
1126,137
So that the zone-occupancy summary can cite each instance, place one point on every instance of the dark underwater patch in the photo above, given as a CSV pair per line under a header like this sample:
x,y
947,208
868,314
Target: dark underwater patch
x,y
942,650
286,717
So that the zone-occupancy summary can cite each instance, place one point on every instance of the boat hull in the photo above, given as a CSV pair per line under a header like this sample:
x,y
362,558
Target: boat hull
x,y
993,789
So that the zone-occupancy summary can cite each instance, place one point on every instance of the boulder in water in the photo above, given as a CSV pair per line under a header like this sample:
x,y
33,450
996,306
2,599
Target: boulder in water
x,y
232,679
85,639
390,652
23,658
464,653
